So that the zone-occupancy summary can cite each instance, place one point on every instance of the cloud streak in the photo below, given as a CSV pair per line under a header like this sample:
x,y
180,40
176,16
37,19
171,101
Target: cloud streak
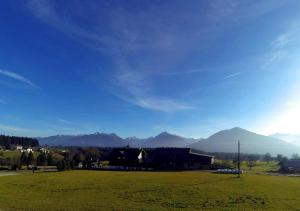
x,y
146,45
17,77
184,72
282,46
65,121
158,104
136,89
233,75
282,40
13,128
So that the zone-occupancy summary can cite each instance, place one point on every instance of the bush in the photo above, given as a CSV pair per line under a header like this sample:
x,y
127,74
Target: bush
x,y
15,167
63,165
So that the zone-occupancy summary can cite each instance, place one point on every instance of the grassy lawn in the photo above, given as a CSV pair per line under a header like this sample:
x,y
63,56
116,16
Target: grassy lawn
x,y
261,167
104,190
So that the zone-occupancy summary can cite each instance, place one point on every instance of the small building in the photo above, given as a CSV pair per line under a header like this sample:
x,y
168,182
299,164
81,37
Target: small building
x,y
292,165
16,147
19,147
44,150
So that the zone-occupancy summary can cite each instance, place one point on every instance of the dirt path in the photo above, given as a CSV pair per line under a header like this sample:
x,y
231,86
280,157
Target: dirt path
x,y
2,174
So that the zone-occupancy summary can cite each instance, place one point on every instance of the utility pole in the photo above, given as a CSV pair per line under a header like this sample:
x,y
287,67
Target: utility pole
x,y
239,159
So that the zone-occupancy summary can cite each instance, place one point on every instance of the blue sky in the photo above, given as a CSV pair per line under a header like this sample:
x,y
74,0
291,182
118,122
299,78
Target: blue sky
x,y
137,68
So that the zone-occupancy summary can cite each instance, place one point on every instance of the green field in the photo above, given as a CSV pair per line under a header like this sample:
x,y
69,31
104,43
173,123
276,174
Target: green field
x,y
104,190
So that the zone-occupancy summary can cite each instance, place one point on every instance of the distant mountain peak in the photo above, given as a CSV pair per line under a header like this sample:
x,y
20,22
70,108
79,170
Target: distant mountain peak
x,y
237,128
132,137
165,133
226,141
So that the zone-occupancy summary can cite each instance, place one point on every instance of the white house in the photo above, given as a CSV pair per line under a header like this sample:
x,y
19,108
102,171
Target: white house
x,y
19,147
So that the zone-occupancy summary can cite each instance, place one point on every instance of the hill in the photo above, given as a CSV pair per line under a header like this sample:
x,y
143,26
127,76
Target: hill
x,y
226,141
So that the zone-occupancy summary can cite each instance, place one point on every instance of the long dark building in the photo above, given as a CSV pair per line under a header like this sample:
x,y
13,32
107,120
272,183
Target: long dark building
x,y
292,165
161,158
129,157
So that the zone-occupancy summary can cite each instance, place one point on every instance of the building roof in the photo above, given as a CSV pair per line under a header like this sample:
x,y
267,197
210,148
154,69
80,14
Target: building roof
x,y
292,163
176,150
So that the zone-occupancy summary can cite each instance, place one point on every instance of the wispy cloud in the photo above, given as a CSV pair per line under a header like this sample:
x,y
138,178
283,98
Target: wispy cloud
x,y
240,11
159,104
153,37
131,79
17,77
183,72
65,121
233,75
282,40
137,90
13,128
66,125
280,46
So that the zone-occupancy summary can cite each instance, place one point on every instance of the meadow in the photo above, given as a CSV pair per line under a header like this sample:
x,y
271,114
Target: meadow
x,y
112,190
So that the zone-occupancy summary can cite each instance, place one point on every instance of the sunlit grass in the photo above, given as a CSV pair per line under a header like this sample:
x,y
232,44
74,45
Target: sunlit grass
x,y
261,167
103,190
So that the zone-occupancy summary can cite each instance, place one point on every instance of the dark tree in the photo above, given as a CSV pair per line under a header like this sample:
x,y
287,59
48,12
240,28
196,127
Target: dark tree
x,y
50,160
15,162
279,157
23,158
267,157
57,157
30,159
78,157
42,159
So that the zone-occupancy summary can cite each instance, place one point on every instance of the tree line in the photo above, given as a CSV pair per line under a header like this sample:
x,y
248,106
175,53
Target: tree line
x,y
7,141
62,159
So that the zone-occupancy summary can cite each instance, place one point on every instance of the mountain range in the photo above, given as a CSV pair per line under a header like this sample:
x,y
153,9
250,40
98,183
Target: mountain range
x,y
164,139
222,141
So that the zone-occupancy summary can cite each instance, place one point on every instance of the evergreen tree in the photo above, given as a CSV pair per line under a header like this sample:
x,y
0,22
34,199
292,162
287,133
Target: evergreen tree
x,y
23,158
30,159
42,159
